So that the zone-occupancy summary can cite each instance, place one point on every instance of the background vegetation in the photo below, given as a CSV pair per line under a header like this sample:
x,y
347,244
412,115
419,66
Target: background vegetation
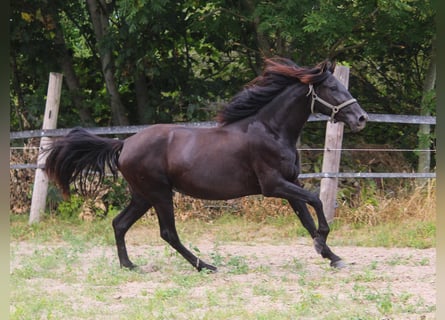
x,y
141,62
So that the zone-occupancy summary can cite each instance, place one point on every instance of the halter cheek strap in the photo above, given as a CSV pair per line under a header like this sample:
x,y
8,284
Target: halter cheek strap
x,y
335,109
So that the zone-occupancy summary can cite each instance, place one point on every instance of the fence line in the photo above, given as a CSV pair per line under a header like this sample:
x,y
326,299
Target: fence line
x,y
305,149
370,150
375,175
381,118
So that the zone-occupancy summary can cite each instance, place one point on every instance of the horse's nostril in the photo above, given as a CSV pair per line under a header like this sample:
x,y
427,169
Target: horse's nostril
x,y
363,118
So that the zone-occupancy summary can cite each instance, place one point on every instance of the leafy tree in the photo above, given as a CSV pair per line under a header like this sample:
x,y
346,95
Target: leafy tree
x,y
140,62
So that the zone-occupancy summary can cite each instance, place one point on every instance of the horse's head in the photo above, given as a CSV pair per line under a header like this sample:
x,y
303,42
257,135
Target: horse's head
x,y
330,97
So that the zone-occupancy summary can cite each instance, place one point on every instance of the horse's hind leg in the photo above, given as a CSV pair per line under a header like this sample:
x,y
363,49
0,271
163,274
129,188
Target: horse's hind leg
x,y
164,211
123,221
321,247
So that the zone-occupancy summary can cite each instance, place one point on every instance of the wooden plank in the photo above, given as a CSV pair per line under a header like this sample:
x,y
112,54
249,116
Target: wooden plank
x,y
343,175
369,175
373,117
49,122
401,118
332,155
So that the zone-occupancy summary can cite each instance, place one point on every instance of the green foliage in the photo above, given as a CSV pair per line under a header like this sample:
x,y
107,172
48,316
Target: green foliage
x,y
179,61
70,208
117,195
112,196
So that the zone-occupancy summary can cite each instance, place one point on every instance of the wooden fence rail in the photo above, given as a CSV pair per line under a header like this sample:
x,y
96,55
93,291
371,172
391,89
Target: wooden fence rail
x,y
368,175
123,130
117,130
373,117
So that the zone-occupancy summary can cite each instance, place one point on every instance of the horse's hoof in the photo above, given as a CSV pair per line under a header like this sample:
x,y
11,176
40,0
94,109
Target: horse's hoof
x,y
202,266
339,264
208,268
129,266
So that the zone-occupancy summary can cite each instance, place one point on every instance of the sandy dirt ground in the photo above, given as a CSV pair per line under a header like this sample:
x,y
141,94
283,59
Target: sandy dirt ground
x,y
403,272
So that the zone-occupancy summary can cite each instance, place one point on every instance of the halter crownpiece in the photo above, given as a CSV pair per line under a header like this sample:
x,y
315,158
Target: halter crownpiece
x,y
335,109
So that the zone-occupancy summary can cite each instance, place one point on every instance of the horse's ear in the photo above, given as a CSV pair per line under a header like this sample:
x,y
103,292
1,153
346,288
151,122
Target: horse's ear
x,y
332,66
329,66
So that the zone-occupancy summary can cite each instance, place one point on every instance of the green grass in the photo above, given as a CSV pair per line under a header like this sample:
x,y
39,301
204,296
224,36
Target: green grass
x,y
54,274
281,229
409,233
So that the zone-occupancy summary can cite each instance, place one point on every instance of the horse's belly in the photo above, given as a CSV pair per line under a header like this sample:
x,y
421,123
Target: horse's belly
x,y
216,184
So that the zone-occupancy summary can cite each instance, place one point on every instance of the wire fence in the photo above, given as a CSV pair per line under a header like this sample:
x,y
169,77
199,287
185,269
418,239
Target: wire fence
x,y
125,130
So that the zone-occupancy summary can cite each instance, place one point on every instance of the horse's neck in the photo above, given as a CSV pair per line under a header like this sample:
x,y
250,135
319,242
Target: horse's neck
x,y
287,113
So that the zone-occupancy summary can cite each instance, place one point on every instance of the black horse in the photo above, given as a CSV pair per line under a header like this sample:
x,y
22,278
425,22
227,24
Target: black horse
x,y
251,151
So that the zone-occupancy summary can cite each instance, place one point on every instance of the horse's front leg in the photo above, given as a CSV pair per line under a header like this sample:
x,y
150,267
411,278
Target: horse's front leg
x,y
298,198
320,245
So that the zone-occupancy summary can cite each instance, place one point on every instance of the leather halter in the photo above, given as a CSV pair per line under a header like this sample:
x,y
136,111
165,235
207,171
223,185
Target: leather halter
x,y
335,109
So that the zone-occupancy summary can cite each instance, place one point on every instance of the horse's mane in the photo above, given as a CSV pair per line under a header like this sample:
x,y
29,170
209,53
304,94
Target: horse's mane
x,y
277,75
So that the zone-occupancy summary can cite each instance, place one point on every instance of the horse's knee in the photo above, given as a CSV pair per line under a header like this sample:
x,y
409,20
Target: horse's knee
x,y
169,236
165,235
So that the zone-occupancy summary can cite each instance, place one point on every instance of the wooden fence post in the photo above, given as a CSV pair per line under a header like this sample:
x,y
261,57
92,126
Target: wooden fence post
x,y
40,189
332,154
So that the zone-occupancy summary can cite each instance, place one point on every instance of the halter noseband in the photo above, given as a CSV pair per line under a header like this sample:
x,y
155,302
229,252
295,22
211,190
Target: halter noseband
x,y
335,109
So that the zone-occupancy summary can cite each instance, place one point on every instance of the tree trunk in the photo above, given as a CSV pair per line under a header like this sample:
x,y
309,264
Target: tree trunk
x,y
424,132
66,63
99,19
144,111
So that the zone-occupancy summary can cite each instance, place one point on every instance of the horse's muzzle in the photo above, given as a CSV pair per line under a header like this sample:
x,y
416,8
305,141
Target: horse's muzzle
x,y
360,123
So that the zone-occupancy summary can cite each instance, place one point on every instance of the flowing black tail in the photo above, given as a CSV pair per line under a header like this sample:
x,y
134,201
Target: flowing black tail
x,y
82,158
